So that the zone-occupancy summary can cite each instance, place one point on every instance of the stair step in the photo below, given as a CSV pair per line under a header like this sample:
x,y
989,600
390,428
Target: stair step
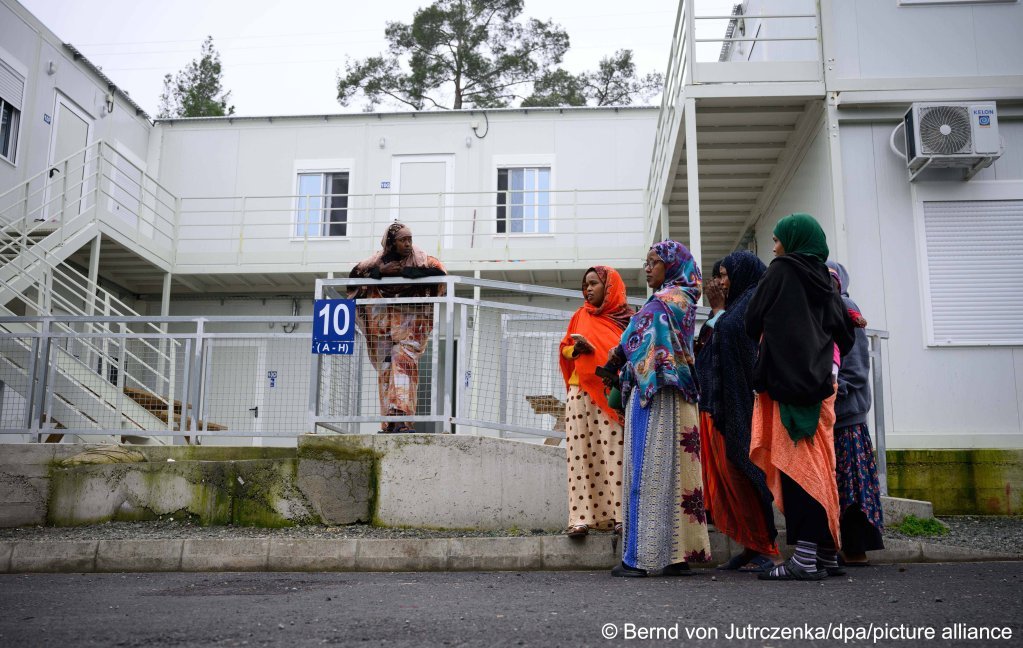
x,y
157,406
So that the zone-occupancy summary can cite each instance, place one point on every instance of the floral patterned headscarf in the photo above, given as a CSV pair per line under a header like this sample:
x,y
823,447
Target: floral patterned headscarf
x,y
658,342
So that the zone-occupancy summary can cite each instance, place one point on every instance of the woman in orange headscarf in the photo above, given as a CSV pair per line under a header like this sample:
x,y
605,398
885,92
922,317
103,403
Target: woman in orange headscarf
x,y
593,427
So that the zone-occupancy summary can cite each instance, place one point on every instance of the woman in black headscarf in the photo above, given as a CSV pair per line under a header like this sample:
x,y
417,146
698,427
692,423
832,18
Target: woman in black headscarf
x,y
737,496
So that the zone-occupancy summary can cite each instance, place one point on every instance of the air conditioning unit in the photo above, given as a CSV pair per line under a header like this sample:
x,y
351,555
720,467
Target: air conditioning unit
x,y
951,135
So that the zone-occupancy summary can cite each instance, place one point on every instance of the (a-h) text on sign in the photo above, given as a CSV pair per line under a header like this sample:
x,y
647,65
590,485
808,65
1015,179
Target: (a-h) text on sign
x,y
334,326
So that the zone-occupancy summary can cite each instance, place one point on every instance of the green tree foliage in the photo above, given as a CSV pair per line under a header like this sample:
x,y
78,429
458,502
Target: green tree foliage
x,y
196,91
613,83
457,54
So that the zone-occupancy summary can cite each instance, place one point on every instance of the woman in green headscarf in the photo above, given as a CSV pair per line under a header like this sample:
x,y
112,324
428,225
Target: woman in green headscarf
x,y
797,316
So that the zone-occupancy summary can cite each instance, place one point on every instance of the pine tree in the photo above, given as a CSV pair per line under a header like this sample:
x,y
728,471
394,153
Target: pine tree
x,y
475,52
196,91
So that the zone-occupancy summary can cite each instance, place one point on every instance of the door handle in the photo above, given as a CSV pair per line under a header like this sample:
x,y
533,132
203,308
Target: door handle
x,y
255,411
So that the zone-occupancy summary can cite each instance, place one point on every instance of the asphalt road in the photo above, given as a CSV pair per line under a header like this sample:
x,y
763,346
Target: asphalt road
x,y
512,609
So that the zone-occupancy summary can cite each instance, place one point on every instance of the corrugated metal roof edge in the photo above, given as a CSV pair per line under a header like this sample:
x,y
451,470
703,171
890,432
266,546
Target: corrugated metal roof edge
x,y
414,113
111,86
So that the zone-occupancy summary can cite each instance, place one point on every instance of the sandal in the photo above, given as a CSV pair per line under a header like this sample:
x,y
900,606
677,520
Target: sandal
x,y
404,428
624,571
791,571
757,565
577,530
387,428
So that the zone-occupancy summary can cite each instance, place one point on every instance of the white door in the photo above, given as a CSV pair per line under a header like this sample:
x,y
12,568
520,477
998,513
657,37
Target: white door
x,y
233,389
67,187
423,199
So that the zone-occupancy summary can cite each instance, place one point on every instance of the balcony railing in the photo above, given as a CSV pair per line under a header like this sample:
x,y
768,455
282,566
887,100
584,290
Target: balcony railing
x,y
783,46
457,227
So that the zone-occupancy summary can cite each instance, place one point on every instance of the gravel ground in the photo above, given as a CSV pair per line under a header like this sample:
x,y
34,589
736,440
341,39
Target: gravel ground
x,y
989,532
992,533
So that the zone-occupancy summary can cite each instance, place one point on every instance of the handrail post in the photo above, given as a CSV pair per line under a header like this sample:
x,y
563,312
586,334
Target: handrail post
x,y
879,424
449,352
690,60
241,231
63,202
177,228
575,224
196,374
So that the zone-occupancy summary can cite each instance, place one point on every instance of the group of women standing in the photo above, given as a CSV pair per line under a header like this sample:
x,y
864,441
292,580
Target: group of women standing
x,y
743,422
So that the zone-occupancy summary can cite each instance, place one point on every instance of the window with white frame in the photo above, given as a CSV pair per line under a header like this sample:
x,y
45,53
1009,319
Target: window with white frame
x,y
523,200
12,90
322,206
972,271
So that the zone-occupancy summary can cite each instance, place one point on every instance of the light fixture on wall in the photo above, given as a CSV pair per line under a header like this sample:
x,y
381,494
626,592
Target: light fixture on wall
x,y
51,68
108,103
383,142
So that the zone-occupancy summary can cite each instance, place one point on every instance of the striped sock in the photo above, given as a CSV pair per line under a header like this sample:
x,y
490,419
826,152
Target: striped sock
x,y
827,558
806,555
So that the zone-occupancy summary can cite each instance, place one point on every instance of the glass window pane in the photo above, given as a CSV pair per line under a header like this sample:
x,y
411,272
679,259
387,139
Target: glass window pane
x,y
502,197
338,216
543,200
310,204
516,176
5,128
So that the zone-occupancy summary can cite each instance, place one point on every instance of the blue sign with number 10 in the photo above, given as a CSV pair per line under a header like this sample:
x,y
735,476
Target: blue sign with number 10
x,y
334,326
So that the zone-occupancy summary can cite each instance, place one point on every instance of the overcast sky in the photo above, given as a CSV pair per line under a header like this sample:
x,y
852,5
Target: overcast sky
x,y
281,57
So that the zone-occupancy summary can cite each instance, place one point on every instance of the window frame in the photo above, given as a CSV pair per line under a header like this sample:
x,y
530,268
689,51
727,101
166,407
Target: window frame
x,y
322,168
927,3
20,69
975,190
505,162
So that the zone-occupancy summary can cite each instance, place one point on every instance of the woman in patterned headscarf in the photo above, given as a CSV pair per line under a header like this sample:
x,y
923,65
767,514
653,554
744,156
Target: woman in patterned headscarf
x,y
798,317
662,492
396,334
593,427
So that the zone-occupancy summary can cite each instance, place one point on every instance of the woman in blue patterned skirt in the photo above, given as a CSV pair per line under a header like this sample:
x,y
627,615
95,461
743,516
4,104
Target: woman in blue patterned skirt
x,y
859,494
662,491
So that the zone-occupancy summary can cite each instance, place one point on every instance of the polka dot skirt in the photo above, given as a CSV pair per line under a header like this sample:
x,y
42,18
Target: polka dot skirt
x,y
595,442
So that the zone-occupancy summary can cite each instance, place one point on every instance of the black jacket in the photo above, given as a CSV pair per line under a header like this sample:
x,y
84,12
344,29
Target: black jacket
x,y
800,315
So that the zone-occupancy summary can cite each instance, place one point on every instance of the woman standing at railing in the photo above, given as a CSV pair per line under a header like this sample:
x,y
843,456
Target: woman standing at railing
x,y
798,317
593,428
396,334
662,493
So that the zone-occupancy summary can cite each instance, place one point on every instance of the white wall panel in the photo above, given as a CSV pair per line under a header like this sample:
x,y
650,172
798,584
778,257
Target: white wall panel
x,y
808,191
965,397
880,39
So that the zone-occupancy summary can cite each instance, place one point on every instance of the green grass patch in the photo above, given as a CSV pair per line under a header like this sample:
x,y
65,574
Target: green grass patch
x,y
911,525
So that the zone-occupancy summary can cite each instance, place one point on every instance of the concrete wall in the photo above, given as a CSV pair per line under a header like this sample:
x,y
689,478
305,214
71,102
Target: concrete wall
x,y
460,482
28,46
66,485
439,481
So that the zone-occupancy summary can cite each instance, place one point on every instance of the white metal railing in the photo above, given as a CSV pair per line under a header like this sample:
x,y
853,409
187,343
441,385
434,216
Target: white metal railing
x,y
42,222
454,226
792,63
96,184
489,367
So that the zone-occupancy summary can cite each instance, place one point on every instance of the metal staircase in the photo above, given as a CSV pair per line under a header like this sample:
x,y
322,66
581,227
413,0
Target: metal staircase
x,y
43,222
